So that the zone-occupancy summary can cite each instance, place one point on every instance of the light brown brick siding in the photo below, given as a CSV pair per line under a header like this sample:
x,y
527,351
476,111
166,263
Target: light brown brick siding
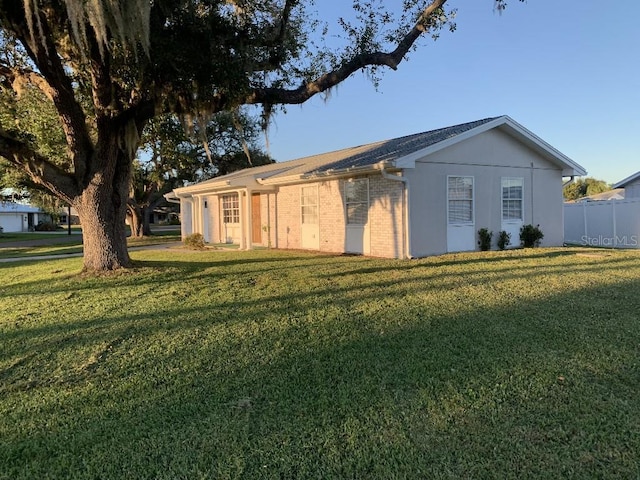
x,y
385,217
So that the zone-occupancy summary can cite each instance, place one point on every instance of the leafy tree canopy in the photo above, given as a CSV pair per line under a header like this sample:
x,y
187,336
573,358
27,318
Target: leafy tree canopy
x,y
584,187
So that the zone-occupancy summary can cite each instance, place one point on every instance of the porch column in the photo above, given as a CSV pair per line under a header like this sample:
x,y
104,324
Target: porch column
x,y
249,219
243,242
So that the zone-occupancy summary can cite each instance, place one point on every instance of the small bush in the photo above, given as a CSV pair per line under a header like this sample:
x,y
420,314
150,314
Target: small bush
x,y
194,241
484,241
45,227
504,239
530,236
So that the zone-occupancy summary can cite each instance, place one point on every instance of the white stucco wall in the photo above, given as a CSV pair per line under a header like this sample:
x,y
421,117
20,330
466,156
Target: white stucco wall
x,y
488,158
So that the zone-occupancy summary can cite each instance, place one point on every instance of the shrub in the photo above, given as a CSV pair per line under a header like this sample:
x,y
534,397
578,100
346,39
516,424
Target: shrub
x,y
504,239
530,236
45,227
194,241
484,241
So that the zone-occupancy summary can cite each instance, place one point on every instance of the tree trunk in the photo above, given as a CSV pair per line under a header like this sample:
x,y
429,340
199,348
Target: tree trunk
x,y
146,219
135,217
102,208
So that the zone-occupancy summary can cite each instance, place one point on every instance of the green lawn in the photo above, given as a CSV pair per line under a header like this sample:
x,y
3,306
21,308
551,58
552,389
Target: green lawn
x,y
271,364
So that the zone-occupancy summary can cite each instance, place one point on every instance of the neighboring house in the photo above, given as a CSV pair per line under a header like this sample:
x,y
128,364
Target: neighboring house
x,y
414,196
15,217
631,186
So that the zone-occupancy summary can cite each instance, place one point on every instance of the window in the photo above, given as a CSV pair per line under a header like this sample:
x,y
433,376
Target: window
x,y
460,200
356,199
512,195
230,209
309,205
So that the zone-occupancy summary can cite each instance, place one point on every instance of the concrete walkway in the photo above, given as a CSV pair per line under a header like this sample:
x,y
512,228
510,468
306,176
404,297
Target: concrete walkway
x,y
159,246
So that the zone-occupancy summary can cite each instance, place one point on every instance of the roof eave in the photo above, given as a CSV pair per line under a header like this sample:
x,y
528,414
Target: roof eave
x,y
626,181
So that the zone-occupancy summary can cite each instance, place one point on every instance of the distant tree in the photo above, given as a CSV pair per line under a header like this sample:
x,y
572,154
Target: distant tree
x,y
109,67
171,157
584,187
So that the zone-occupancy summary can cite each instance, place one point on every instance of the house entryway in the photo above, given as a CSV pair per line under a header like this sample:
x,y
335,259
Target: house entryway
x,y
256,219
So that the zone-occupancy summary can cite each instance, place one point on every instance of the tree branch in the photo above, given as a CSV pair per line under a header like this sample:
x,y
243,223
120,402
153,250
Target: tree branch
x,y
387,59
44,54
41,171
16,78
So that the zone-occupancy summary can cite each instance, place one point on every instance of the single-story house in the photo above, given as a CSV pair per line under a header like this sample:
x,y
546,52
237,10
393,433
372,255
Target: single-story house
x,y
414,196
631,186
16,217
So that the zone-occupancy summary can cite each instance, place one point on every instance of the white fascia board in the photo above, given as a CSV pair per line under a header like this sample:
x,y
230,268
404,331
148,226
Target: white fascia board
x,y
200,188
569,167
626,181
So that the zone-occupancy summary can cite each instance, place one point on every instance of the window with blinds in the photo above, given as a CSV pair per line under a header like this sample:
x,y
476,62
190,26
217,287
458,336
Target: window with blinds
x,y
356,199
512,199
460,200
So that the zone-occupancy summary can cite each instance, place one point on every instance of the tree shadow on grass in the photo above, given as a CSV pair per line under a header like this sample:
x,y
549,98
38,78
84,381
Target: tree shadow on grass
x,y
308,388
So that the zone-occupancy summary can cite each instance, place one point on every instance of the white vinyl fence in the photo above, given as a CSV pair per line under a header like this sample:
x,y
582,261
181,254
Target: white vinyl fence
x,y
612,223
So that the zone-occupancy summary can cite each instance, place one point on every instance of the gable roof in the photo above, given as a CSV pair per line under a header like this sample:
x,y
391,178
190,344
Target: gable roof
x,y
627,181
397,153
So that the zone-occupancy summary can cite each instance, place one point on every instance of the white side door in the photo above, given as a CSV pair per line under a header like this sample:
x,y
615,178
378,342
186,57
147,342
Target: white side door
x,y
309,222
512,192
461,230
356,200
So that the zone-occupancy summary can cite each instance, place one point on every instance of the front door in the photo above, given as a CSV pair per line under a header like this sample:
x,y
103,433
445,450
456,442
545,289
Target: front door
x,y
256,221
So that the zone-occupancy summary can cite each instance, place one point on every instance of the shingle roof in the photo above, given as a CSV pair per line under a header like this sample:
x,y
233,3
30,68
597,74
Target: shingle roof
x,y
394,151
360,156
10,207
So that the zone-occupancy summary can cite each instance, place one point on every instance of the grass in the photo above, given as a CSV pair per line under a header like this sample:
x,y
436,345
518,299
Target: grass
x,y
271,364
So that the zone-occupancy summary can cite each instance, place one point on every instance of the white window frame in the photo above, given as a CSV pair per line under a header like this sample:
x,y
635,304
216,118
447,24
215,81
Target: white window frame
x,y
303,204
472,199
502,200
230,205
352,181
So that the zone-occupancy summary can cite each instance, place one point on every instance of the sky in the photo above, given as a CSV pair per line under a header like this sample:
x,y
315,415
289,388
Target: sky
x,y
568,70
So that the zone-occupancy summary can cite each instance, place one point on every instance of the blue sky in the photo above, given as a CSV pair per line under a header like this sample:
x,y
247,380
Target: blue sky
x,y
568,70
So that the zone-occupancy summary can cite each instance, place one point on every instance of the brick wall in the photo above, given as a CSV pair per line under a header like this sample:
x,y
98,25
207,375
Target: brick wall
x,y
288,221
385,217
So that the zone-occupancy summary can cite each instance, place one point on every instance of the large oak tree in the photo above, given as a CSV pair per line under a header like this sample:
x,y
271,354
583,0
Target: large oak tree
x,y
109,66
